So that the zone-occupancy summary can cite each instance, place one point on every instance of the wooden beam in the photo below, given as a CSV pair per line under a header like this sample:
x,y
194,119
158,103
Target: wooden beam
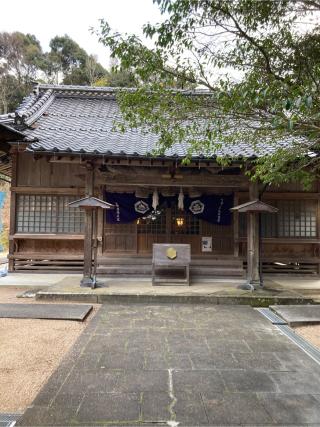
x,y
67,160
49,190
286,240
155,179
46,236
282,195
134,161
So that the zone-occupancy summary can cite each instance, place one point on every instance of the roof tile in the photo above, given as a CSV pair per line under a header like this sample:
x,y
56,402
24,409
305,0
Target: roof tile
x,y
81,120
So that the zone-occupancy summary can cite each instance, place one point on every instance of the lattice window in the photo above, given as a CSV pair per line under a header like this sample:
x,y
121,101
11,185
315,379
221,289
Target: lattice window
x,y
48,214
183,222
155,223
295,218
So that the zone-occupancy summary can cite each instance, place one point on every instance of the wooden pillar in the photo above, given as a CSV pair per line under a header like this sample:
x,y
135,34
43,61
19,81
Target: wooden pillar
x,y
169,225
253,238
88,229
100,225
236,227
13,201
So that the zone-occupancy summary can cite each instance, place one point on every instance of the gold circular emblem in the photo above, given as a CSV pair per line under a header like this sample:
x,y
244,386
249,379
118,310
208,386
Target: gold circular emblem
x,y
171,253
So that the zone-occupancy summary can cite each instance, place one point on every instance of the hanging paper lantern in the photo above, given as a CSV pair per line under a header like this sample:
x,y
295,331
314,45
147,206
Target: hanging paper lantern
x,y
180,200
155,199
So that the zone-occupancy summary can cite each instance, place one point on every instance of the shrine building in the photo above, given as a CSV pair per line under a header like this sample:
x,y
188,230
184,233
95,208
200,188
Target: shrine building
x,y
60,145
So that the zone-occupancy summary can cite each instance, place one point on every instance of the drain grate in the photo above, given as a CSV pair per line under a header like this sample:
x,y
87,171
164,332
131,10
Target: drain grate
x,y
270,315
8,420
308,348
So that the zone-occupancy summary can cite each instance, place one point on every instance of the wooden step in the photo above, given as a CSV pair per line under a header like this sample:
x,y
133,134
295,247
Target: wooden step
x,y
148,261
137,270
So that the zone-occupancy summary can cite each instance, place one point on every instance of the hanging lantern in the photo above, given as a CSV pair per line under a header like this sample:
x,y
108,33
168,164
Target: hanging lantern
x,y
180,221
180,200
155,199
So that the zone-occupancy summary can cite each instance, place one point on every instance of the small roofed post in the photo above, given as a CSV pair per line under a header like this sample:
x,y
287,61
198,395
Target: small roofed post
x,y
253,209
90,206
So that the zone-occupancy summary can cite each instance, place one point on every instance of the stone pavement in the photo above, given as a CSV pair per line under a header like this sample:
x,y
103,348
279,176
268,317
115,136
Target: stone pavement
x,y
137,290
180,365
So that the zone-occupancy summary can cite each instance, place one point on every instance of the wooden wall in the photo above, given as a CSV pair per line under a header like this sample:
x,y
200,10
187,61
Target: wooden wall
x,y
41,173
48,176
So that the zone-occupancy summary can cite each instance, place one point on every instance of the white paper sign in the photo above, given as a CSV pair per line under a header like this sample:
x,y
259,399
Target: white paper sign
x,y
206,244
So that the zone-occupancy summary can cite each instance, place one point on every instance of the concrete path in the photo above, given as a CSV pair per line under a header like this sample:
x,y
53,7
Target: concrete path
x,y
298,314
180,365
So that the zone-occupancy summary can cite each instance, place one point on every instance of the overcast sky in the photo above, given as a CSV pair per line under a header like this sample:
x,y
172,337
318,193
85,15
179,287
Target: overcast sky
x,y
58,17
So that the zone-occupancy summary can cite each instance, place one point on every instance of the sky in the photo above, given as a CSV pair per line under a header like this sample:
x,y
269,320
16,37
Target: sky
x,y
70,17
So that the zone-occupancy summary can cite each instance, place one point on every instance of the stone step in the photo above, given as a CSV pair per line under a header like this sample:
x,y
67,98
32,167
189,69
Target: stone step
x,y
184,296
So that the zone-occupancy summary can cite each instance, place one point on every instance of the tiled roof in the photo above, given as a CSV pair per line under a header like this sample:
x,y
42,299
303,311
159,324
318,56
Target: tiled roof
x,y
6,118
80,119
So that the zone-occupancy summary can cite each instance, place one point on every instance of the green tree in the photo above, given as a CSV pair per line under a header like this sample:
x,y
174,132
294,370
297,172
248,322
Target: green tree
x,y
20,58
117,78
73,63
23,62
259,62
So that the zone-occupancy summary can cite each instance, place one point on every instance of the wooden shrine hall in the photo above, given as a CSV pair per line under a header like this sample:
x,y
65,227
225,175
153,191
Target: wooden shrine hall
x,y
59,146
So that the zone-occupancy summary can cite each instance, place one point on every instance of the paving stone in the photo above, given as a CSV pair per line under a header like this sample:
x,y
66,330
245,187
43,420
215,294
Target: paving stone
x,y
317,397
167,361
97,381
87,361
206,361
235,409
155,407
300,382
258,361
43,416
149,323
74,398
46,394
229,366
190,412
139,381
282,344
45,311
297,360
227,345
198,381
108,407
121,360
293,409
184,346
99,344
248,381
179,361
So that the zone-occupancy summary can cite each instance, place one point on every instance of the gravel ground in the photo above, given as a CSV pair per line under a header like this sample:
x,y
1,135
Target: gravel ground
x,y
310,333
30,350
